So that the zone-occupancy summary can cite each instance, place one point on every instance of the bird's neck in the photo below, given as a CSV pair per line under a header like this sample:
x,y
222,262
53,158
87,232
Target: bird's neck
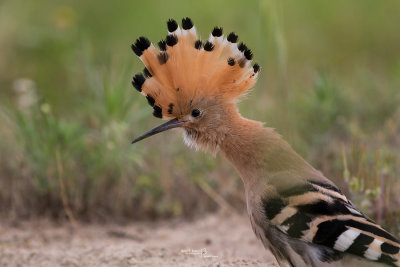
x,y
258,152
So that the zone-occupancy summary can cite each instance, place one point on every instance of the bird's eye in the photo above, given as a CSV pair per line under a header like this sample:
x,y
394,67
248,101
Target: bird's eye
x,y
195,113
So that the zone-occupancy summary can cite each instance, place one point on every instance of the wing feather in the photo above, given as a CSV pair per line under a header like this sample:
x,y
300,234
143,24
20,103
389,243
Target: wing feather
x,y
319,213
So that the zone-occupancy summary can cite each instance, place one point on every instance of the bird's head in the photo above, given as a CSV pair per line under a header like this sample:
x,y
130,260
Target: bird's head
x,y
194,84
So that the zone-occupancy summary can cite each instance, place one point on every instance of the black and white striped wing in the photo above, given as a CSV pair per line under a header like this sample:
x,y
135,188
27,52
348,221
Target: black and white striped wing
x,y
319,213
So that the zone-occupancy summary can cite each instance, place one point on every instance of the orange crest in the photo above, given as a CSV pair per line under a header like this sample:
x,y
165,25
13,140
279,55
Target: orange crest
x,y
184,69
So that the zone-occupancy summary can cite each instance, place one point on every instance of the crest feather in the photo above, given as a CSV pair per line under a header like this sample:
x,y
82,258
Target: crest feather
x,y
185,69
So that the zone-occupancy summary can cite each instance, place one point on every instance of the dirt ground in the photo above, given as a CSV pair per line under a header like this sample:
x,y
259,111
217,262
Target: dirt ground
x,y
215,240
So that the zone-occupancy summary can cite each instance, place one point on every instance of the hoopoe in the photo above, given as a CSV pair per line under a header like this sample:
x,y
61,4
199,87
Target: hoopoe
x,y
297,213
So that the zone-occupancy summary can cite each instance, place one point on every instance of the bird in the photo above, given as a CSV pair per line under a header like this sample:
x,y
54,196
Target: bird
x,y
301,216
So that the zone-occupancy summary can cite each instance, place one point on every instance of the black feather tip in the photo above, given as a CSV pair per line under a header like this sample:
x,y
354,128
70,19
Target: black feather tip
x,y
198,44
187,23
138,81
150,100
232,37
171,40
136,50
157,112
217,32
172,25
231,61
162,45
208,46
242,47
147,73
256,68
170,108
248,54
141,44
162,58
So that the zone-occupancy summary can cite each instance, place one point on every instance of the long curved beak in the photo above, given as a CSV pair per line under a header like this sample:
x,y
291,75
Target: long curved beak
x,y
174,123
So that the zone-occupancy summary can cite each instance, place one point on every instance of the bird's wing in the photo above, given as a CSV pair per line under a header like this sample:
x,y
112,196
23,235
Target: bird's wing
x,y
319,213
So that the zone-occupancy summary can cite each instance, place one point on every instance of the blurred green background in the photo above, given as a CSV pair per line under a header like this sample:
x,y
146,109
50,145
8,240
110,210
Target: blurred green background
x,y
330,84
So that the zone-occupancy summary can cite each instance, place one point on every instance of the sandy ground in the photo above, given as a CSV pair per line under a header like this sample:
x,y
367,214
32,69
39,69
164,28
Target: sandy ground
x,y
224,240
